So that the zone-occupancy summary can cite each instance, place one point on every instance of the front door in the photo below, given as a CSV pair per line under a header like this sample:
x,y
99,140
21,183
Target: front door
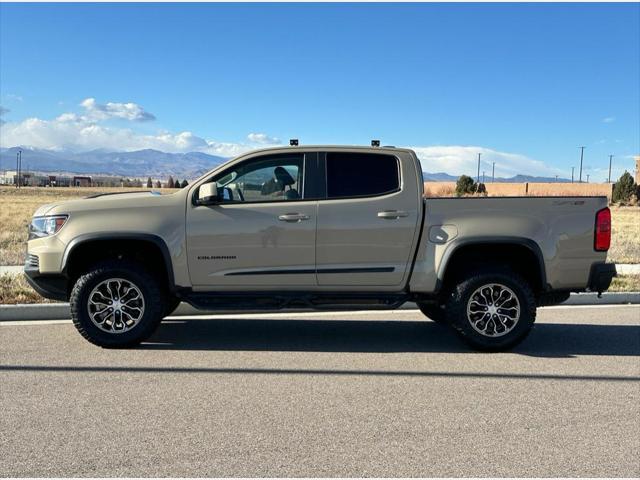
x,y
263,231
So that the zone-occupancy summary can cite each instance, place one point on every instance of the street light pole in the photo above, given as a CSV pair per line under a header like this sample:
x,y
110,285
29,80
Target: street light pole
x,y
572,169
478,177
18,167
610,157
587,178
581,157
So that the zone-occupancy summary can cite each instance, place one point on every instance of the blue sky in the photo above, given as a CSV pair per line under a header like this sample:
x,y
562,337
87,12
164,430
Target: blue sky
x,y
525,84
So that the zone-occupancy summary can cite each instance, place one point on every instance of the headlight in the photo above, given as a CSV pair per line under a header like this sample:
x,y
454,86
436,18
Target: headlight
x,y
45,226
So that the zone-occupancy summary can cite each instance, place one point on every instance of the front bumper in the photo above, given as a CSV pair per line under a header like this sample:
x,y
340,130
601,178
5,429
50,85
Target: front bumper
x,y
601,276
52,286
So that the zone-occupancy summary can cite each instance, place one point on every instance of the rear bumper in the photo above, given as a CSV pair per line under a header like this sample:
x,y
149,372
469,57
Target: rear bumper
x,y
601,276
52,286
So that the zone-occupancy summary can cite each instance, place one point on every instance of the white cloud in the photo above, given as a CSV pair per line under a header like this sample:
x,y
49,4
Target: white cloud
x,y
12,96
609,119
90,130
3,112
263,139
458,160
103,111
74,132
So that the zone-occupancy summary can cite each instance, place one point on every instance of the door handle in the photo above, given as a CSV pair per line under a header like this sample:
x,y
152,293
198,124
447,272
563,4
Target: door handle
x,y
293,217
392,214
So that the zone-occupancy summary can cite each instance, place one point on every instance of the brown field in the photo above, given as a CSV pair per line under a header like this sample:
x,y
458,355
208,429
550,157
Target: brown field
x,y
17,207
625,235
447,189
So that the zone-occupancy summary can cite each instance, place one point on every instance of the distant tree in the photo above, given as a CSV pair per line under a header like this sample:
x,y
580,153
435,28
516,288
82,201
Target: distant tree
x,y
481,189
158,184
149,183
465,185
170,182
624,188
184,183
177,184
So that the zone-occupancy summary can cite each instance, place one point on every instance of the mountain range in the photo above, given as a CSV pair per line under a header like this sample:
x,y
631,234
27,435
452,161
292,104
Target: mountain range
x,y
156,164
140,163
445,177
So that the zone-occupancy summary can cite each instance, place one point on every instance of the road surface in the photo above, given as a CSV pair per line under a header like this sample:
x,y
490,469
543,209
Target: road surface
x,y
329,394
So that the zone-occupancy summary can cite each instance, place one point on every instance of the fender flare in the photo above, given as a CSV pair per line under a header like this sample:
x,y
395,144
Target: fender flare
x,y
106,236
456,244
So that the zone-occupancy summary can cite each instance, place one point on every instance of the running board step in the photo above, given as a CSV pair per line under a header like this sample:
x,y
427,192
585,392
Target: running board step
x,y
293,300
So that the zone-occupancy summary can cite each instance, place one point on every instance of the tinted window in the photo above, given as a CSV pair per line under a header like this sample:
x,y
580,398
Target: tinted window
x,y
263,180
361,174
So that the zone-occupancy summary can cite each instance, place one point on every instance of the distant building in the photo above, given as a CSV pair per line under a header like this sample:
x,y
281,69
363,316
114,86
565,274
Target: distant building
x,y
8,177
81,181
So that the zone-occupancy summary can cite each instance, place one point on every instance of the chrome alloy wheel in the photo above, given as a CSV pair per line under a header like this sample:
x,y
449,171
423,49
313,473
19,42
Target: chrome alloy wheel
x,y
493,310
115,305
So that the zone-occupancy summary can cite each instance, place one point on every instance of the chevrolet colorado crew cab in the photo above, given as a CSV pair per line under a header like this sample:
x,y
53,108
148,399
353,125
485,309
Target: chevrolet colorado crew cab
x,y
319,227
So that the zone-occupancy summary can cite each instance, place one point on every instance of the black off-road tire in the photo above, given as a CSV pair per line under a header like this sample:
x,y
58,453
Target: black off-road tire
x,y
434,312
456,308
149,287
171,303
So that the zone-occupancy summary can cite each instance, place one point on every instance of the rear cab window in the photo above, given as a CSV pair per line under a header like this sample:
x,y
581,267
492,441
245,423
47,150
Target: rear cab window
x,y
361,174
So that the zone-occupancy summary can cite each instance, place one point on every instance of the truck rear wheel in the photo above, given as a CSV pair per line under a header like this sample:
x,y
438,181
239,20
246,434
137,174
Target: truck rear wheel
x,y
492,310
116,304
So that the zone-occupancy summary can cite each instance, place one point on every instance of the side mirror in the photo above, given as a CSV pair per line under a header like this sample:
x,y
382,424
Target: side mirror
x,y
208,194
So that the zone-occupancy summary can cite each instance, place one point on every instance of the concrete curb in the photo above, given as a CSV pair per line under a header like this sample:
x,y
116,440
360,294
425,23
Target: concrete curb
x,y
60,311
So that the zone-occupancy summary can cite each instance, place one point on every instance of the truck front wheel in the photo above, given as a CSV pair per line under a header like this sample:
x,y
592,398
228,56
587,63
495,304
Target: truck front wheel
x,y
433,311
116,304
492,310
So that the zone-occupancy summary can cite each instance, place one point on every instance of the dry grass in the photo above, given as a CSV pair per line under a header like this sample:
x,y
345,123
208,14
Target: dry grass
x,y
625,283
17,207
15,289
447,189
625,235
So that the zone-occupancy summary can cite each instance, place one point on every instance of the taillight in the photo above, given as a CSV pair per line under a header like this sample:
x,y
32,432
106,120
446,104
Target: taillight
x,y
602,240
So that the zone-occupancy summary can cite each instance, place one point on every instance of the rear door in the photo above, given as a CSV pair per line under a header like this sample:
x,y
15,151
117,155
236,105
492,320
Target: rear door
x,y
367,225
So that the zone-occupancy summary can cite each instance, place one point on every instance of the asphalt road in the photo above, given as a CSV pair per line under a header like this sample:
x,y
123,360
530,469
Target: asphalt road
x,y
341,394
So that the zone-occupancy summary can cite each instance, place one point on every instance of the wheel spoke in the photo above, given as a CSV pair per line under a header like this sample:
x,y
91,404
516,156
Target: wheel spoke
x,y
493,310
116,305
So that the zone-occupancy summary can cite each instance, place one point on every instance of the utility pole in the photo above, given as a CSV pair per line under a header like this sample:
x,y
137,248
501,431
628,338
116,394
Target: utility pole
x,y
556,178
478,178
587,178
572,169
493,173
18,166
610,157
483,177
581,157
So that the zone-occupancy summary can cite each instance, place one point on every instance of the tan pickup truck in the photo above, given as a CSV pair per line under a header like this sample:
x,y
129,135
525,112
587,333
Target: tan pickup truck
x,y
317,227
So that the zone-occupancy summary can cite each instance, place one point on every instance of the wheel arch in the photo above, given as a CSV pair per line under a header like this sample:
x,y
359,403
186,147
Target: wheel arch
x,y
522,253
152,247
